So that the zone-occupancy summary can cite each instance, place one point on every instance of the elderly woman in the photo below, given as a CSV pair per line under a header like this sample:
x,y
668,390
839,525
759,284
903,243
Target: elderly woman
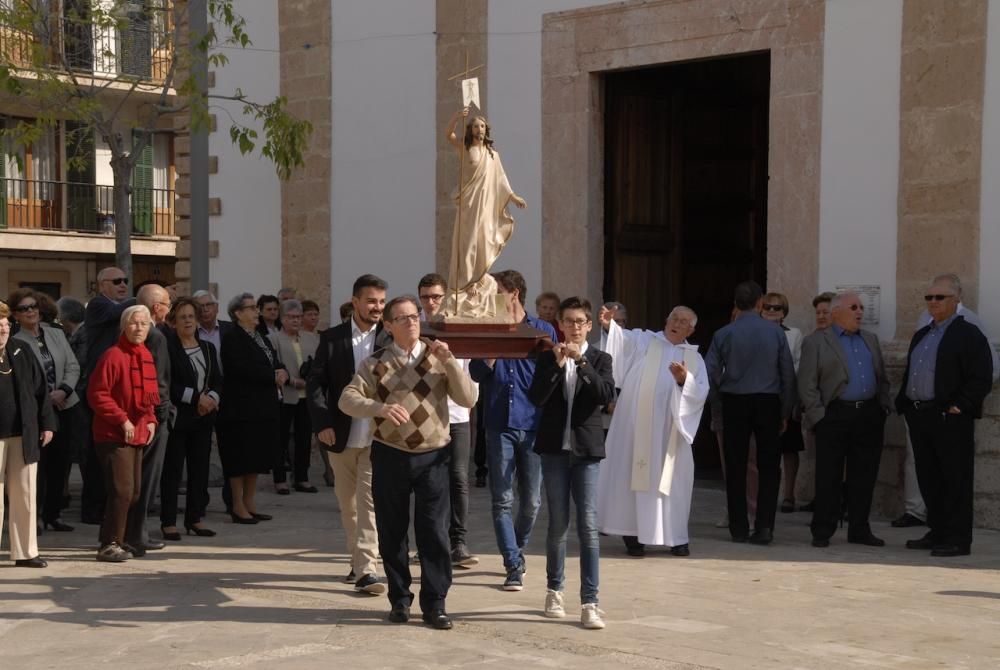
x,y
250,414
775,308
295,348
62,372
123,393
26,426
195,388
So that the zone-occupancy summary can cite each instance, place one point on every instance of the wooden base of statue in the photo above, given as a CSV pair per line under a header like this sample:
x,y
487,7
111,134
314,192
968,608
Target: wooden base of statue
x,y
483,339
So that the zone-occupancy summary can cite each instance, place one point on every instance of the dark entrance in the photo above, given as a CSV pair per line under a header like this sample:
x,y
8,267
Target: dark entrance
x,y
686,192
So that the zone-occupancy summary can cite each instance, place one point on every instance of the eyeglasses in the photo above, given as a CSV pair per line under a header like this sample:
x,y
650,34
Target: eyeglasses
x,y
117,281
253,307
26,308
774,308
403,318
579,323
938,297
855,307
435,297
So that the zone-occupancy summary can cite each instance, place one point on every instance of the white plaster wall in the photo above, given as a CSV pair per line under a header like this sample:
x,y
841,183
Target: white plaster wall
x,y
860,149
989,241
249,229
383,143
514,79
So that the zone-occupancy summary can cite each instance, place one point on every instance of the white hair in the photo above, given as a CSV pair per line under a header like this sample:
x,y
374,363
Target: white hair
x,y
685,308
839,298
132,311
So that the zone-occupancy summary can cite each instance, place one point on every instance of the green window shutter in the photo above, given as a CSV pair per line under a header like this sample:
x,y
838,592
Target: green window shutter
x,y
142,190
3,187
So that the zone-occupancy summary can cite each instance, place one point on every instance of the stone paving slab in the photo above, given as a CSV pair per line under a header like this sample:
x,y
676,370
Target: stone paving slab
x,y
268,595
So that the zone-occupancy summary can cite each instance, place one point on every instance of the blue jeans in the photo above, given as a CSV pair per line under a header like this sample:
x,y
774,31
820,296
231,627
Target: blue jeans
x,y
511,452
567,474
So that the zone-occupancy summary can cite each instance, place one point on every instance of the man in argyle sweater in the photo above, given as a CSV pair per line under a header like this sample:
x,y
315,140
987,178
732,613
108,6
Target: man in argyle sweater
x,y
405,388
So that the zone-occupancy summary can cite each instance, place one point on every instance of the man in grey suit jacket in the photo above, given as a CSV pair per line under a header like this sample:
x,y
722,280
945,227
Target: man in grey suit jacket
x,y
845,399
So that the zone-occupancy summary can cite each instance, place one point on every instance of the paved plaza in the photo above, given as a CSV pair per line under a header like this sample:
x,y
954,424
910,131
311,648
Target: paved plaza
x,y
270,596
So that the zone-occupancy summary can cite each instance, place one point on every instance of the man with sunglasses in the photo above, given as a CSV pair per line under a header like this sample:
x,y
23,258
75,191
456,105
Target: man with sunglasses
x,y
949,372
101,329
845,397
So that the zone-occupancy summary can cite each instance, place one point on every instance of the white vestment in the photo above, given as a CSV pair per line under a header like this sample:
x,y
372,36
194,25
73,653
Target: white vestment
x,y
645,510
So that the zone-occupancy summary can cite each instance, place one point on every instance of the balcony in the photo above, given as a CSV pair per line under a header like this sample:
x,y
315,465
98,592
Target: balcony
x,y
142,49
59,206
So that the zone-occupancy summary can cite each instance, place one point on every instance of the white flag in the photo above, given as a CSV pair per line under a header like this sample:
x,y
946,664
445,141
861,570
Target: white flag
x,y
470,92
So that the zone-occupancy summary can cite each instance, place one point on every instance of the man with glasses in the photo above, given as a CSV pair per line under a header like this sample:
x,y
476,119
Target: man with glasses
x,y
845,398
750,367
210,327
404,389
644,491
432,290
100,331
949,372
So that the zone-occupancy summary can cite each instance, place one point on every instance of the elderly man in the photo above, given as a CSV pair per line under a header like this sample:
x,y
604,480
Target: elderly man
x,y
210,327
404,389
645,487
157,300
750,366
845,396
949,371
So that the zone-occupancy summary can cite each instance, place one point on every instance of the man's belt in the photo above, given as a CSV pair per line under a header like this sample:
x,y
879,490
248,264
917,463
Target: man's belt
x,y
921,405
855,404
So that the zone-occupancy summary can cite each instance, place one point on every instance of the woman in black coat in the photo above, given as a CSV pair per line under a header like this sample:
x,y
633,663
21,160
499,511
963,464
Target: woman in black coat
x,y
27,423
250,411
195,390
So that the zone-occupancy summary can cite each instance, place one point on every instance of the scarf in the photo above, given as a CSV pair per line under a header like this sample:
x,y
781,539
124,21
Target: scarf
x,y
142,374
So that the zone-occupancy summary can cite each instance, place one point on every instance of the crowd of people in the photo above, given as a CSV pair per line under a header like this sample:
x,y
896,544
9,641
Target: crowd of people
x,y
136,389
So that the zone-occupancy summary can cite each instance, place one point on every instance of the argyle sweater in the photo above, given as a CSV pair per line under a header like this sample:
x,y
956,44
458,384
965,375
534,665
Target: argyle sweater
x,y
423,388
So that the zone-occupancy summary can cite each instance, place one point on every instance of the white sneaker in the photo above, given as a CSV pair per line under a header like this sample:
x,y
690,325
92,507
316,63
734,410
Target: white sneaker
x,y
590,616
554,604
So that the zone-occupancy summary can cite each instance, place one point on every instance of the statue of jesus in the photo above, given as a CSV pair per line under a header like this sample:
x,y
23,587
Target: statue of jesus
x,y
482,223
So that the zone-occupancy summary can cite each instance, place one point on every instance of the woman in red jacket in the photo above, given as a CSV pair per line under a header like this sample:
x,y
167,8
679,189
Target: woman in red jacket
x,y
123,393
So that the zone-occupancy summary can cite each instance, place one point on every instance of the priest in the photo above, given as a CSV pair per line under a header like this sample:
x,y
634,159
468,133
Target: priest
x,y
645,485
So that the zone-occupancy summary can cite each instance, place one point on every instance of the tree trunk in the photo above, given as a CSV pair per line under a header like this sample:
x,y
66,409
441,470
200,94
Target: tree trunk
x,y
123,215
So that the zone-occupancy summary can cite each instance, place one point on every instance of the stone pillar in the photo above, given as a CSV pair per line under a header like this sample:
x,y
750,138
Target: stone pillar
x,y
461,29
305,38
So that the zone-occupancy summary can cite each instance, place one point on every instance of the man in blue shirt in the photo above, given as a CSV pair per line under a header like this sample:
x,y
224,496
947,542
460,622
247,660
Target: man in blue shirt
x,y
845,399
511,421
750,366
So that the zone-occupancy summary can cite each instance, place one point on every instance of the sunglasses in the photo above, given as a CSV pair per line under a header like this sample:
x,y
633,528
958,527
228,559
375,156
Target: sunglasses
x,y
937,297
118,281
774,308
26,308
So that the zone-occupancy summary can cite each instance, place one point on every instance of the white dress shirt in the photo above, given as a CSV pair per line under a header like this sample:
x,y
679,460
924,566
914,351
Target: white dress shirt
x,y
570,391
363,345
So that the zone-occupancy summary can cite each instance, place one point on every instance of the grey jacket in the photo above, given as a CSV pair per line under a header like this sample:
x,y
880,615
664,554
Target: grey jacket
x,y
308,343
67,367
823,373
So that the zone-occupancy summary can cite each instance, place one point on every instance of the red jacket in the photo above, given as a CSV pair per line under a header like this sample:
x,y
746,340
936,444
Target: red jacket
x,y
113,396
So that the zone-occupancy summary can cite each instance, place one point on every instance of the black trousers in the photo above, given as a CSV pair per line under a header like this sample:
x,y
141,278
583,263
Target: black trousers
x,y
757,414
137,532
944,455
395,474
93,495
477,419
851,434
293,418
194,446
54,465
458,474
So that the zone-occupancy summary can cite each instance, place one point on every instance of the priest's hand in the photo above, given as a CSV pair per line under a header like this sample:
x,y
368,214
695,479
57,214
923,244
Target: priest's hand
x,y
679,371
395,413
604,317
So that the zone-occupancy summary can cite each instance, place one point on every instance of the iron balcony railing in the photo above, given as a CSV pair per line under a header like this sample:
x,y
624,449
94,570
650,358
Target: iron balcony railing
x,y
27,204
140,49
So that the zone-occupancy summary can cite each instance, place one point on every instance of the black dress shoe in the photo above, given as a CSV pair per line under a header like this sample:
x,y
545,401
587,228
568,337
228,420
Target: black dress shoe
x,y
924,543
302,488
633,547
950,550
400,613
820,544
173,536
57,525
36,562
261,517
907,521
680,550
438,619
242,519
740,538
762,536
283,491
867,540
153,545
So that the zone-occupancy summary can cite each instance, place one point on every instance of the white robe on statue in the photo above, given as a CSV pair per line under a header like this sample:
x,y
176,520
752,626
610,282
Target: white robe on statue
x,y
650,498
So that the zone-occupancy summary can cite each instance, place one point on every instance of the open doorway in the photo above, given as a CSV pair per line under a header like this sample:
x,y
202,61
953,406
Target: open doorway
x,y
686,149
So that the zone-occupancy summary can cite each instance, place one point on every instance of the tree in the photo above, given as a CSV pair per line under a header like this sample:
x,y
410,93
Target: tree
x,y
106,65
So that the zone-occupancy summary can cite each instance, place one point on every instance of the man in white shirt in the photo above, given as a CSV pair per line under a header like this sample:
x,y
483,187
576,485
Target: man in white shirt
x,y
347,440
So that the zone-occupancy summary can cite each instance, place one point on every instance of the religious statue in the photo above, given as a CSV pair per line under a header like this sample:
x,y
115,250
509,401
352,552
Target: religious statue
x,y
482,223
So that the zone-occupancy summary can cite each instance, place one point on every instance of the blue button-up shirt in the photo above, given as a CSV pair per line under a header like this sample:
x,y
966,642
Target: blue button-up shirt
x,y
861,383
504,388
923,362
